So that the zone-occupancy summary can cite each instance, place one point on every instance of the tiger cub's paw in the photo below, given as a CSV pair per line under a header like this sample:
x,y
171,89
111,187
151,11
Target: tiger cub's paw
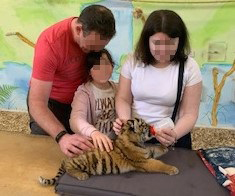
x,y
82,176
173,170
164,149
160,150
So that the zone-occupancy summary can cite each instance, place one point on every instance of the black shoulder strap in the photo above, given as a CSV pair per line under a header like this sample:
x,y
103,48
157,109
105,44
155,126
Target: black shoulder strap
x,y
179,89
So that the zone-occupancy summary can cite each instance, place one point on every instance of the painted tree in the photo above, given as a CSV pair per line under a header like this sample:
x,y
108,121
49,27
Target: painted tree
x,y
139,14
218,89
22,38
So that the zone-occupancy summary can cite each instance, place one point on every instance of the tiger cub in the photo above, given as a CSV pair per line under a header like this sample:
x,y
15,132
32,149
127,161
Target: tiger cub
x,y
129,154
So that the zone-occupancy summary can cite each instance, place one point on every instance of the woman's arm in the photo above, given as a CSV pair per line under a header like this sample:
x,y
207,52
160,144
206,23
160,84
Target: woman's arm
x,y
123,99
189,109
187,116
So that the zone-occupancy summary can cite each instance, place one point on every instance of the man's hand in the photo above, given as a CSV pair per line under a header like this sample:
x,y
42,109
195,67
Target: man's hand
x,y
72,145
101,141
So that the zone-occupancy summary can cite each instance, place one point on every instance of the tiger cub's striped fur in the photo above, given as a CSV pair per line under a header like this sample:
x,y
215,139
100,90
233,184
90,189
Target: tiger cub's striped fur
x,y
129,154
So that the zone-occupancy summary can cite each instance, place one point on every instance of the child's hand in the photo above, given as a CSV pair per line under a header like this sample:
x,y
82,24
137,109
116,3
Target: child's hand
x,y
101,141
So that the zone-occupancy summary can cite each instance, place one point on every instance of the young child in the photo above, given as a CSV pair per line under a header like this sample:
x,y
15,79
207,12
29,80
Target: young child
x,y
93,109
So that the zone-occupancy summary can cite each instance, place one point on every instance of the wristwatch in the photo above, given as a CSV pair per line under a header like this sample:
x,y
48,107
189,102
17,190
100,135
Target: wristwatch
x,y
60,135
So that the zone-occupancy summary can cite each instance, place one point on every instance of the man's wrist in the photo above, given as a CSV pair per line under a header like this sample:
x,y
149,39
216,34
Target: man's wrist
x,y
60,135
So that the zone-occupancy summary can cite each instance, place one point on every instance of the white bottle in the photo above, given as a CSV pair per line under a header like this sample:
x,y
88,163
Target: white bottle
x,y
164,123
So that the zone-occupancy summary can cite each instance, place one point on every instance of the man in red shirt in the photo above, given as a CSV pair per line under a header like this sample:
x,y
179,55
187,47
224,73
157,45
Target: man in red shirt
x,y
59,68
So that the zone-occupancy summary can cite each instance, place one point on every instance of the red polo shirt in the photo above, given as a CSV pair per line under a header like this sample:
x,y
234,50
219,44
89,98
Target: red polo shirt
x,y
59,59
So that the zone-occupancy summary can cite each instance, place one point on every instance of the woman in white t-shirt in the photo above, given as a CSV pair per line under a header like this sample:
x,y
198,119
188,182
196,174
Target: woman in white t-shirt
x,y
149,78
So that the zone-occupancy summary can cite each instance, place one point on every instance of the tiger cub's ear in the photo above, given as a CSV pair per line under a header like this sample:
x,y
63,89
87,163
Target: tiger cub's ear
x,y
132,124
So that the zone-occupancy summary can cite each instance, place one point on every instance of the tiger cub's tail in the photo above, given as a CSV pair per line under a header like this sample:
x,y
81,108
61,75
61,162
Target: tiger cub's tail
x,y
52,181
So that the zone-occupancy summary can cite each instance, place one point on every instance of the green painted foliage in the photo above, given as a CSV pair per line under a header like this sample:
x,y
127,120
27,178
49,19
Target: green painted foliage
x,y
5,92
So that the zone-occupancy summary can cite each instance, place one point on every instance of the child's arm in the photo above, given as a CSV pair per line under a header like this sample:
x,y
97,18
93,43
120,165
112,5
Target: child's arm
x,y
78,118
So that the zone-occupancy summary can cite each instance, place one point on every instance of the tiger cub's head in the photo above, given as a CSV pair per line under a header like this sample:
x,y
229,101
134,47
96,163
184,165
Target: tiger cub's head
x,y
137,130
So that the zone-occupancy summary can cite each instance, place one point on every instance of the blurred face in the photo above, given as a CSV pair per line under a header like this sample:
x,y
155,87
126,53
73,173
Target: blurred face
x,y
102,73
91,42
163,47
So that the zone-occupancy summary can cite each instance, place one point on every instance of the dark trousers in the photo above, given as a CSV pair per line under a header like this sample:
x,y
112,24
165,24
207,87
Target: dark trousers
x,y
60,110
183,142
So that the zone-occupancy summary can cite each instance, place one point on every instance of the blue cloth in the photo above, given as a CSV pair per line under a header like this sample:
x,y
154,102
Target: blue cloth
x,y
222,156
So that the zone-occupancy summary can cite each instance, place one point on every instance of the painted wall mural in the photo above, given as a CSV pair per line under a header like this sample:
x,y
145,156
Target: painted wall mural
x,y
212,35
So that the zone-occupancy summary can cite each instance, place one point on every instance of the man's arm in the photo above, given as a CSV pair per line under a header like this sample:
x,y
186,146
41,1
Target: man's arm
x,y
38,108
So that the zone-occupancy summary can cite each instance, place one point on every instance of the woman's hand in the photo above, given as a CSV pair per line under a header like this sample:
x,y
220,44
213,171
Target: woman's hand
x,y
101,141
166,136
117,125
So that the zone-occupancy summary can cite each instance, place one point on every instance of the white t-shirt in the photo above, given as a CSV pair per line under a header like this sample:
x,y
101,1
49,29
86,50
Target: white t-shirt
x,y
154,89
104,108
